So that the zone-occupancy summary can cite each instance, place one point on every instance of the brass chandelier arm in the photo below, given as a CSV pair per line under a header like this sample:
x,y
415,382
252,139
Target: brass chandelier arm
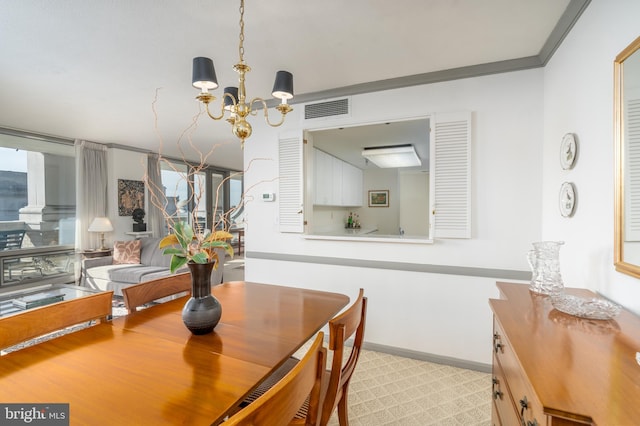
x,y
283,108
219,117
207,98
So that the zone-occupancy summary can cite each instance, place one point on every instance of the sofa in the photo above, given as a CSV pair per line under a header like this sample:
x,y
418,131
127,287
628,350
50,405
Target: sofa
x,y
101,273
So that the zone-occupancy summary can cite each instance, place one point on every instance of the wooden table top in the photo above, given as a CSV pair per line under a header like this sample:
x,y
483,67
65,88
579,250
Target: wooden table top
x,y
581,368
147,368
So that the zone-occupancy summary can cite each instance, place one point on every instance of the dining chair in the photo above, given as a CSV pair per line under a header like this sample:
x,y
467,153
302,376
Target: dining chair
x,y
148,291
278,406
349,323
37,322
336,384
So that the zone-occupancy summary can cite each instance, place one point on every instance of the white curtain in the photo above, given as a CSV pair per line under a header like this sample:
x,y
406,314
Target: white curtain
x,y
155,218
91,191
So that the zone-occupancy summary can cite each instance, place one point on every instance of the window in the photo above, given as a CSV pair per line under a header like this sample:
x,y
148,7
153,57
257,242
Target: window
x,y
37,209
235,200
176,189
211,190
424,202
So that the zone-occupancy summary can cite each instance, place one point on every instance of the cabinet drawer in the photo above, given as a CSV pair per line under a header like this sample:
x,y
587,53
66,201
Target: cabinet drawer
x,y
526,403
503,404
495,418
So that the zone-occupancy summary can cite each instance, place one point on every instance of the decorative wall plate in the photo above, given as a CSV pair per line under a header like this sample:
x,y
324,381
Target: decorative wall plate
x,y
568,151
567,199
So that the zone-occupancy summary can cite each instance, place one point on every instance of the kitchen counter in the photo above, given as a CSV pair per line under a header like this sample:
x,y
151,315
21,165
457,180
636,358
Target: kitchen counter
x,y
368,235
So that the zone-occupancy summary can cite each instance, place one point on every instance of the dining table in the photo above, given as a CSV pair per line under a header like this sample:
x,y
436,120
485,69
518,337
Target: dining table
x,y
146,368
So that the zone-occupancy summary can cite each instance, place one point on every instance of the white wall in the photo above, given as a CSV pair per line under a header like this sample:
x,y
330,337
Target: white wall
x,y
128,165
445,315
414,203
578,87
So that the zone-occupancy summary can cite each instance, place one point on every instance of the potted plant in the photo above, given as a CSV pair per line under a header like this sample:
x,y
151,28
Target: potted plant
x,y
200,251
188,242
186,246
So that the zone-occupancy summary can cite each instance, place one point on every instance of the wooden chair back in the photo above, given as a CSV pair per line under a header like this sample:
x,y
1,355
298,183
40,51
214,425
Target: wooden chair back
x,y
341,328
39,321
279,405
139,294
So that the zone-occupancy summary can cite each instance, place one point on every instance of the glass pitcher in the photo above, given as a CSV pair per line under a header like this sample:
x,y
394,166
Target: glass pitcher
x,y
544,260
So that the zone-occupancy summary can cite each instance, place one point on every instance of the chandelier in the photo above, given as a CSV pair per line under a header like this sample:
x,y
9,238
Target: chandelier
x,y
234,98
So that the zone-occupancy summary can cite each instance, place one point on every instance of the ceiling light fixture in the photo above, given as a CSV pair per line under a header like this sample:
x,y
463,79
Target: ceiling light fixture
x,y
392,156
234,98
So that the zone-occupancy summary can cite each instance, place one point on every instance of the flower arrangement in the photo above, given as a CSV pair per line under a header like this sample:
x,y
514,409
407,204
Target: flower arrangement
x,y
184,245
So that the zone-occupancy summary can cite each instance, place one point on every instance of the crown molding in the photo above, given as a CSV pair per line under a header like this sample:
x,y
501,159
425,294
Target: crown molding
x,y
566,22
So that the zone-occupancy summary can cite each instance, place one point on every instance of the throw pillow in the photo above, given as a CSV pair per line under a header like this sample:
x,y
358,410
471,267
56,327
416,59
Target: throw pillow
x,y
126,252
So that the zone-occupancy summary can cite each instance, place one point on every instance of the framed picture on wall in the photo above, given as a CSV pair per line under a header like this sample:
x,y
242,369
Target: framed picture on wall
x,y
130,196
379,198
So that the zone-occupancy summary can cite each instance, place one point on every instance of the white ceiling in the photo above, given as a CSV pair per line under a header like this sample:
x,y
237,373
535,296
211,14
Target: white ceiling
x,y
89,69
347,143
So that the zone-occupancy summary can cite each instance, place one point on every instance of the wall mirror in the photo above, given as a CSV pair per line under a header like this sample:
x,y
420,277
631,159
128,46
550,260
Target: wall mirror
x,y
627,157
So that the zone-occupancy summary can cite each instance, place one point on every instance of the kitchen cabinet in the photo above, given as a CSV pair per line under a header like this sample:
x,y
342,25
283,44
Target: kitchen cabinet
x,y
323,180
336,182
352,188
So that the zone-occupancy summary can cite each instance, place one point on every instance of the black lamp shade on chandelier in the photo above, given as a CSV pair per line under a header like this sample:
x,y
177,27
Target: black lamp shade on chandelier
x,y
204,78
204,75
283,86
228,102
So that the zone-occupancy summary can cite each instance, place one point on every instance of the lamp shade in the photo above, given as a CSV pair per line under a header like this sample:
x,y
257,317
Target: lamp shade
x,y
283,86
204,75
101,224
392,156
228,102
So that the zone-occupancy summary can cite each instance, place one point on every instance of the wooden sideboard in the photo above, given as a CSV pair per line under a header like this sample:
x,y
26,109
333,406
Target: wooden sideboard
x,y
551,368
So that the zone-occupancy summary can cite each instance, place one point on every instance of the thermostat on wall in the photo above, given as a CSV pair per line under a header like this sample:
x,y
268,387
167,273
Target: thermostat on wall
x,y
268,196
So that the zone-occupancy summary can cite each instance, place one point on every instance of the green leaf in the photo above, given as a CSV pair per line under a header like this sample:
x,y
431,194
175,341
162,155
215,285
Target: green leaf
x,y
219,244
183,233
213,244
174,250
177,262
200,258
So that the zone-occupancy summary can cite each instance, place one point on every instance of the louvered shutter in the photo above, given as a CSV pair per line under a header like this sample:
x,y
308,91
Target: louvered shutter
x,y
451,175
632,169
290,194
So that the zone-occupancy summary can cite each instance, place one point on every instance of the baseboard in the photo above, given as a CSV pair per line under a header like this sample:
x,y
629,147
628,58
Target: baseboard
x,y
424,356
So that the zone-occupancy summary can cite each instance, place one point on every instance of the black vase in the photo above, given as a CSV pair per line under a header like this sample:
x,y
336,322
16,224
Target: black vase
x,y
202,311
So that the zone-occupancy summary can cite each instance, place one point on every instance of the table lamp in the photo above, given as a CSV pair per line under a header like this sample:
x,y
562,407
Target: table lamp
x,y
101,225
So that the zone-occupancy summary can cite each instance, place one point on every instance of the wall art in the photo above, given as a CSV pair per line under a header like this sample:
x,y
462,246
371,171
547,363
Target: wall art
x,y
130,196
379,198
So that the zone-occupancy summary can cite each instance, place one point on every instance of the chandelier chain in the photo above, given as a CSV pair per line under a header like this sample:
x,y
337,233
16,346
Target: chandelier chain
x,y
241,46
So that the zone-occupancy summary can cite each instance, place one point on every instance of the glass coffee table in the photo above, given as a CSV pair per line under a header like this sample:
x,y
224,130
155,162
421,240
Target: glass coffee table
x,y
17,301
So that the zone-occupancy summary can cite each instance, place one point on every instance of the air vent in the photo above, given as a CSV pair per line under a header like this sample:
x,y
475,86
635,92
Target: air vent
x,y
326,109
